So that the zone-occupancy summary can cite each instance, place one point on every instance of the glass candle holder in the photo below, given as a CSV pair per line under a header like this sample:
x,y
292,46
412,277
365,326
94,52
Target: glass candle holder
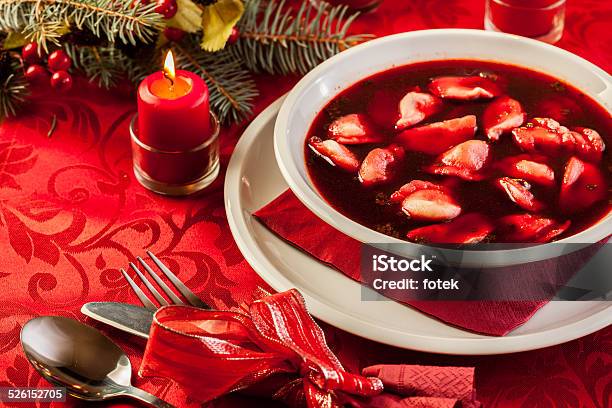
x,y
539,19
180,172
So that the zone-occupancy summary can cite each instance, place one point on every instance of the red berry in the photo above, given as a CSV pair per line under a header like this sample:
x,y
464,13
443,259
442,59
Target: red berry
x,y
36,74
174,34
59,61
234,36
61,81
30,53
166,8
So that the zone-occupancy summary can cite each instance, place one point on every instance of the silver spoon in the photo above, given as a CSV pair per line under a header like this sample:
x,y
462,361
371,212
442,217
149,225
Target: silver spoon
x,y
76,356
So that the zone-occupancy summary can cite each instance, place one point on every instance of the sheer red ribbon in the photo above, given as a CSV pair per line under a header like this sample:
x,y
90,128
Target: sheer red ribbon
x,y
277,343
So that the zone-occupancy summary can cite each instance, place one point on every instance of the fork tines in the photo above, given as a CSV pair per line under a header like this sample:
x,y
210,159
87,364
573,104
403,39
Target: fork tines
x,y
191,298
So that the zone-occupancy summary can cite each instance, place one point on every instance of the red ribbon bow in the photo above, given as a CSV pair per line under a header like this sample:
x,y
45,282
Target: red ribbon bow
x,y
212,353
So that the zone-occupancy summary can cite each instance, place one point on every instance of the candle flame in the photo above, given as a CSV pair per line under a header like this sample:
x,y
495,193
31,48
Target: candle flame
x,y
169,71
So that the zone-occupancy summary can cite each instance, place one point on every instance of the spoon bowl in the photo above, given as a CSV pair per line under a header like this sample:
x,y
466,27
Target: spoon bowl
x,y
76,356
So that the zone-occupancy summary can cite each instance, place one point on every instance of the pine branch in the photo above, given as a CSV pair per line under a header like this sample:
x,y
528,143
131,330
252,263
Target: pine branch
x,y
232,89
101,64
45,21
272,39
13,86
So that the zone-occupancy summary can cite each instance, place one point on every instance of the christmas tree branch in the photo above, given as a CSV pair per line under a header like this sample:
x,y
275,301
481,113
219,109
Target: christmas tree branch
x,y
231,88
101,64
207,76
274,40
46,21
13,86
283,38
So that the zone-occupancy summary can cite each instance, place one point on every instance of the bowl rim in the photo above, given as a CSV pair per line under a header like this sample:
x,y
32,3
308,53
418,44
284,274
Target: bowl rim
x,y
315,202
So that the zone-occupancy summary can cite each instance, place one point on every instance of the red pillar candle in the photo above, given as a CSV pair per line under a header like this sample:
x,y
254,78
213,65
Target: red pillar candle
x,y
175,146
173,109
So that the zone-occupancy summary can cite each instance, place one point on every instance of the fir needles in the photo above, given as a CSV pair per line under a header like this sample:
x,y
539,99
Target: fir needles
x,y
13,86
232,89
46,21
101,64
274,39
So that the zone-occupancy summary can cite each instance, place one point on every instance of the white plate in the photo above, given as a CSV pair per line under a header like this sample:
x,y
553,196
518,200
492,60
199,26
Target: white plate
x,y
253,180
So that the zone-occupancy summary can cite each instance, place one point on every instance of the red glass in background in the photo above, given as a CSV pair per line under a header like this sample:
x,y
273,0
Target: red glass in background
x,y
539,19
353,5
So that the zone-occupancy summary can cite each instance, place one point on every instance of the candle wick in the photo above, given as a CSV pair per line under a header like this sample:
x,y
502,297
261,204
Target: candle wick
x,y
169,79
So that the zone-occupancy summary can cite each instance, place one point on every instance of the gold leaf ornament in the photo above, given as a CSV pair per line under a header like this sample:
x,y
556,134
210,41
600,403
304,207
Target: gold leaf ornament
x,y
188,17
14,40
218,19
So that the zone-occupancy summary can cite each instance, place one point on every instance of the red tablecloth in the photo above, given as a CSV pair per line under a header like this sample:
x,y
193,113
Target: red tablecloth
x,y
71,214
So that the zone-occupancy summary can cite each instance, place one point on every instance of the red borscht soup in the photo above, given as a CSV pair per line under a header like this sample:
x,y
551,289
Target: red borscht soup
x,y
462,151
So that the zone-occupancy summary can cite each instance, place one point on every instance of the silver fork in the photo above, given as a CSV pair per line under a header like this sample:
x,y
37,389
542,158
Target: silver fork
x,y
147,302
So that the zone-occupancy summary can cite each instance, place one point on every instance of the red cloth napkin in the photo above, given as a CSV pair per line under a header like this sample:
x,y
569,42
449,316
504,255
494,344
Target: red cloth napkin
x,y
291,220
413,386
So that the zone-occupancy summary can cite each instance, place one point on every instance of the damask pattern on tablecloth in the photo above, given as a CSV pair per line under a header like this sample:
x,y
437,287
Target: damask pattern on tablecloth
x,y
72,214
